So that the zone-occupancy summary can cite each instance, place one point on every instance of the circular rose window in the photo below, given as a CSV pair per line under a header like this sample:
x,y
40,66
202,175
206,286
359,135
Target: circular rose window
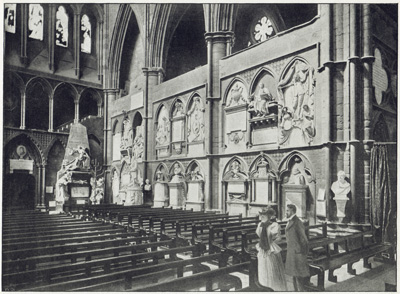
x,y
261,29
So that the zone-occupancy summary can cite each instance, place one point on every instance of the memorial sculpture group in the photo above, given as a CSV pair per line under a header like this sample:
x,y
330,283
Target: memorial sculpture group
x,y
77,162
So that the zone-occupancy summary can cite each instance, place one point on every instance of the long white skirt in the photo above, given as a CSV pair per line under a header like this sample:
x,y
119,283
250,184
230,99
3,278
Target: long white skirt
x,y
271,272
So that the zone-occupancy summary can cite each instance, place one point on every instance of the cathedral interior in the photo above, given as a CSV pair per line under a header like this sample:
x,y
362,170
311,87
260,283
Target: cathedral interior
x,y
117,113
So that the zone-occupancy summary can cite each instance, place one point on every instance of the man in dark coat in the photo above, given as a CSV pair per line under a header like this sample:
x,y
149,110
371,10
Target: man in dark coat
x,y
297,249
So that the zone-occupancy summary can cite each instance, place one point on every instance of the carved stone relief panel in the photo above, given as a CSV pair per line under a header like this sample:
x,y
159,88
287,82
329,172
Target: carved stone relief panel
x,y
195,120
296,95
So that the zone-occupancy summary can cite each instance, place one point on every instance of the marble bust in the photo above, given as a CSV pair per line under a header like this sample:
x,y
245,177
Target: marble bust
x,y
341,187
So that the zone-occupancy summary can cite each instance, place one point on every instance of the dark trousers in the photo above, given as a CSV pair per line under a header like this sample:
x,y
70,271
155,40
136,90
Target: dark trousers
x,y
299,282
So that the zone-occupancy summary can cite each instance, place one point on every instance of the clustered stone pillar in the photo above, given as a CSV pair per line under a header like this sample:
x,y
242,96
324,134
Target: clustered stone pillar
x,y
217,48
367,60
109,97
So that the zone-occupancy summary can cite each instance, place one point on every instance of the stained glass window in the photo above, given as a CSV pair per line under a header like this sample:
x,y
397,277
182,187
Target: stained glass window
x,y
35,23
61,27
10,11
86,30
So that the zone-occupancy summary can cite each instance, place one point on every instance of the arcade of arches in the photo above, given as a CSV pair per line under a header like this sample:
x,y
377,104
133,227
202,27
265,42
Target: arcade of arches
x,y
222,107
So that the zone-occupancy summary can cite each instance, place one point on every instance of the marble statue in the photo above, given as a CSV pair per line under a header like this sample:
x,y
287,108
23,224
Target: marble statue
x,y
126,140
81,160
261,101
195,125
115,188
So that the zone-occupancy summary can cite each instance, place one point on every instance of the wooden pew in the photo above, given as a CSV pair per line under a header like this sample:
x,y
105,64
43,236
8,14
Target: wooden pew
x,y
336,259
31,263
61,234
86,228
127,275
63,248
88,268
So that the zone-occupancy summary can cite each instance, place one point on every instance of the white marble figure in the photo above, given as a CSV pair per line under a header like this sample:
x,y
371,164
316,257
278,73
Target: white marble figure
x,y
62,185
178,110
236,96
126,140
35,22
261,101
115,188
177,176
138,144
298,174
341,187
196,126
163,129
81,161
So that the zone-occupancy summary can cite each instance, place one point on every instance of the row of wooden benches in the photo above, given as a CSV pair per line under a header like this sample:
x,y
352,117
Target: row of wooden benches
x,y
87,262
326,252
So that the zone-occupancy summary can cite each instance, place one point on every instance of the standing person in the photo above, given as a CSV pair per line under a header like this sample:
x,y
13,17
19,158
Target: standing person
x,y
297,249
271,271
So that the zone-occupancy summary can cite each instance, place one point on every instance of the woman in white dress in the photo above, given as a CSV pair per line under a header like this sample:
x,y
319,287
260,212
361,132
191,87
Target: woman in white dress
x,y
271,272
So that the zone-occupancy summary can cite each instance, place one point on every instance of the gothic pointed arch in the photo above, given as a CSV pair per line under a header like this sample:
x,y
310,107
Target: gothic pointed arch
x,y
65,96
236,93
184,46
32,151
266,75
296,158
55,140
161,173
195,118
13,92
236,168
38,94
379,127
176,168
261,159
116,45
90,101
194,171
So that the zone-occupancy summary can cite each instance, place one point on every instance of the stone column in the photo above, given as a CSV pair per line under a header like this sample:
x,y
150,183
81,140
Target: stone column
x,y
367,59
41,189
23,111
353,60
77,44
51,113
109,97
76,119
24,34
218,44
154,76
52,33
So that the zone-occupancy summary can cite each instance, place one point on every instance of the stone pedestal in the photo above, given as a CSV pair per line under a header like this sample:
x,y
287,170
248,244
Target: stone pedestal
x,y
195,196
235,208
176,194
160,195
340,206
296,194
134,196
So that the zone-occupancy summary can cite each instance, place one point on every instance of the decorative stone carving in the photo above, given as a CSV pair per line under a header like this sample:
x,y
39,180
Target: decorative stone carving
x,y
127,133
260,102
237,95
195,121
296,94
115,188
81,159
97,191
163,129
138,144
178,109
